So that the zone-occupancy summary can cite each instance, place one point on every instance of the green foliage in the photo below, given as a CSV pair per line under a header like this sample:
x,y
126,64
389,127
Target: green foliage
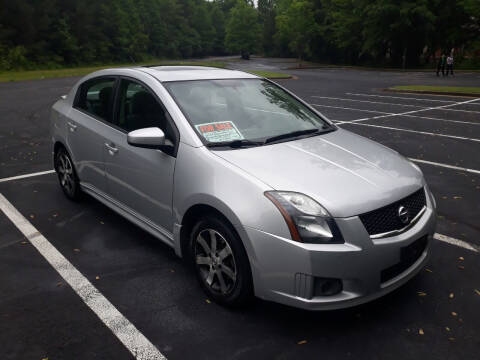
x,y
61,33
267,14
398,33
297,26
53,33
243,30
13,57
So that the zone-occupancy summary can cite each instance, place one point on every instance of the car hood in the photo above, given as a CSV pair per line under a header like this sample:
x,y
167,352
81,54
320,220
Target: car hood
x,y
346,173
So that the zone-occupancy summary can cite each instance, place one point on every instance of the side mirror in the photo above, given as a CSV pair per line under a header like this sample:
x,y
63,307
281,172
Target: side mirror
x,y
150,138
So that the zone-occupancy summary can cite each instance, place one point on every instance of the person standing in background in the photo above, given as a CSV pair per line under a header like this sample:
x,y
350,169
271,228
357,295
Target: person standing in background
x,y
441,65
450,64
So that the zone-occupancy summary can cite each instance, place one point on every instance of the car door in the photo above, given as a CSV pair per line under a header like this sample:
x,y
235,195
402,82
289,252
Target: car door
x,y
140,179
88,125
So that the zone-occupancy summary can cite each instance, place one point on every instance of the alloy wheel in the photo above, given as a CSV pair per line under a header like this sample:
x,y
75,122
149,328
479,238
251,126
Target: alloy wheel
x,y
215,261
65,173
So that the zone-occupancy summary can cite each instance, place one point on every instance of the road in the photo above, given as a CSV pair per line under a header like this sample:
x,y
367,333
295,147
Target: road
x,y
42,316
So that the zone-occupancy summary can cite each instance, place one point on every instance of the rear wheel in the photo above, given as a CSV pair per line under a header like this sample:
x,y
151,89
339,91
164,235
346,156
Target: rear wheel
x,y
220,262
67,176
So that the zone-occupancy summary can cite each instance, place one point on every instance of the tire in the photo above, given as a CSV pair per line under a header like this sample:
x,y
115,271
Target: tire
x,y
67,175
224,274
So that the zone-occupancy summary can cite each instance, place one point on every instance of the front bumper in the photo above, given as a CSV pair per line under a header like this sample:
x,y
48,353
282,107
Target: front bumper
x,y
286,271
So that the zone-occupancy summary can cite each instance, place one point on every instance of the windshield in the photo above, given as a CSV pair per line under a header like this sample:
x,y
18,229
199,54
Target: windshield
x,y
244,111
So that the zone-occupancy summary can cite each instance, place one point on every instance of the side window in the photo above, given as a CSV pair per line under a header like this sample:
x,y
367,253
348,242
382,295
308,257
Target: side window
x,y
96,97
138,109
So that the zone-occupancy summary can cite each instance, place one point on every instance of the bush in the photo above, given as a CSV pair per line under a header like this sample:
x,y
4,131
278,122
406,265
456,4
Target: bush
x,y
14,58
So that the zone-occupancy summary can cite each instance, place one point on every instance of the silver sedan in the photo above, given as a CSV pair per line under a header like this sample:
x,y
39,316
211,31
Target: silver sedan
x,y
259,192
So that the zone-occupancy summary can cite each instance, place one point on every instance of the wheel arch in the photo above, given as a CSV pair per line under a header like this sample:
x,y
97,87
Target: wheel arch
x,y
58,144
61,145
56,147
193,214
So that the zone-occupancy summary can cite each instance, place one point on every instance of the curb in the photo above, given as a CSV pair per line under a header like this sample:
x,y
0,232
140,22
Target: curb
x,y
427,92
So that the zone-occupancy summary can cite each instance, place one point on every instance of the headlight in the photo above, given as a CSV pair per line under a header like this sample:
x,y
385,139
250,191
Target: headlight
x,y
306,219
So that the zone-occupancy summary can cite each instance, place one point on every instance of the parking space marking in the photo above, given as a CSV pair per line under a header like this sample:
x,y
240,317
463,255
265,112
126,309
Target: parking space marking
x,y
138,345
412,112
401,97
459,168
353,109
413,98
408,115
444,107
365,101
457,242
408,130
462,110
26,175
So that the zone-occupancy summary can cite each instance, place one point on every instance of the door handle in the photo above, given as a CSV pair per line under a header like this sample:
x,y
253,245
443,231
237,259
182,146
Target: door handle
x,y
72,126
112,150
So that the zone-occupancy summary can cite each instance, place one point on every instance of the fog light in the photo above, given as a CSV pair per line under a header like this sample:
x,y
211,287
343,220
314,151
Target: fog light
x,y
327,287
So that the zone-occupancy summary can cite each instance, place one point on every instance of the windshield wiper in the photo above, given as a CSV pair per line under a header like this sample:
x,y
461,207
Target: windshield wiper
x,y
292,134
235,144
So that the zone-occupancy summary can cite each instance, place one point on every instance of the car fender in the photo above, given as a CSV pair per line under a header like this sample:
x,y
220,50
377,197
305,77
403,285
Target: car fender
x,y
241,201
58,125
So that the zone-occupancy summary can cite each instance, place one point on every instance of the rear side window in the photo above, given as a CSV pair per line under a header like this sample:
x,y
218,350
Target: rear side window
x,y
96,97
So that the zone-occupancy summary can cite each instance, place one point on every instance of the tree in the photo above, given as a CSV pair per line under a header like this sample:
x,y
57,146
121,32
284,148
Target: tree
x,y
298,26
398,28
472,19
53,33
267,13
243,30
342,27
63,42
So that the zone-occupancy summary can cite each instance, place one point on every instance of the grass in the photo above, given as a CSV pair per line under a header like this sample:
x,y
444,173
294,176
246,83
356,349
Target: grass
x,y
439,89
80,71
269,74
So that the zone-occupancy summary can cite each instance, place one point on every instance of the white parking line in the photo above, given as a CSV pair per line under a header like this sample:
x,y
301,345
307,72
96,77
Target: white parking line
x,y
406,105
413,98
396,114
459,168
26,175
457,242
400,97
138,345
409,130
345,108
365,101
412,112
461,110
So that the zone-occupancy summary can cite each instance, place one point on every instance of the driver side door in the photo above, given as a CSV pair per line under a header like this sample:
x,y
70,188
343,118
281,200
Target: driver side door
x,y
141,180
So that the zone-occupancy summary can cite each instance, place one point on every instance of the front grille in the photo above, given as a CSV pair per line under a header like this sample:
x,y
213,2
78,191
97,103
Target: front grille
x,y
408,256
386,219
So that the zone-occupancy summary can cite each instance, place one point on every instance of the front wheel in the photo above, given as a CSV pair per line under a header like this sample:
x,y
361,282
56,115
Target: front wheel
x,y
220,262
67,176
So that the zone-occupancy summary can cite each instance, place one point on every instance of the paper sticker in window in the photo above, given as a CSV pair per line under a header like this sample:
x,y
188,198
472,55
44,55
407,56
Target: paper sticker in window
x,y
219,131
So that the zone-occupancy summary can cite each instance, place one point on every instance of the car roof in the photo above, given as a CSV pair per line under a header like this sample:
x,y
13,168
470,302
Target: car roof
x,y
182,73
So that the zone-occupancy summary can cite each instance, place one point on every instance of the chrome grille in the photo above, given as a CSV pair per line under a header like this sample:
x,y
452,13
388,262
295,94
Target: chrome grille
x,y
386,219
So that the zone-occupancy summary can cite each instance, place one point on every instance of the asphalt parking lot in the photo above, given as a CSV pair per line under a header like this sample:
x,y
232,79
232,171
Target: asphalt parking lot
x,y
434,316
